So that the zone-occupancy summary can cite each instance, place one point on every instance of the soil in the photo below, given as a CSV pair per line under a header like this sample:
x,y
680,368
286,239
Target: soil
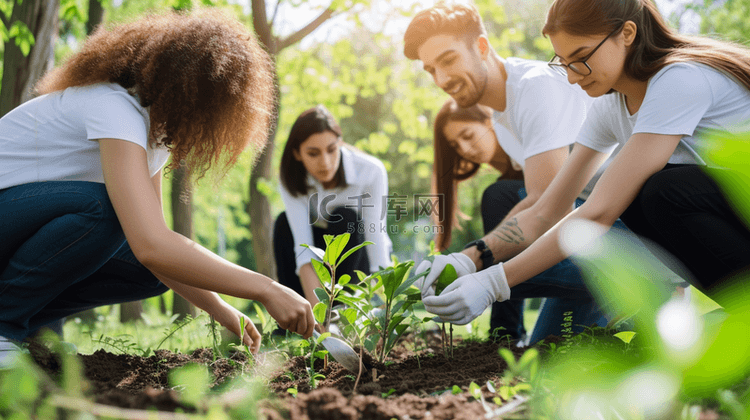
x,y
410,385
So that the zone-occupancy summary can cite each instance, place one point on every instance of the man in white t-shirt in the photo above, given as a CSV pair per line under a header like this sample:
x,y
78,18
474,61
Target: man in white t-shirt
x,y
537,116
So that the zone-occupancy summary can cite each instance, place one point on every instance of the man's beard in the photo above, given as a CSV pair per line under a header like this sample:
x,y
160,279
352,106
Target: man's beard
x,y
473,98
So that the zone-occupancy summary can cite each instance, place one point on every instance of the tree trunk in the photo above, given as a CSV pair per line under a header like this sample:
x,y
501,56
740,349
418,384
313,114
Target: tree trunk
x,y
131,311
182,223
96,15
20,72
258,207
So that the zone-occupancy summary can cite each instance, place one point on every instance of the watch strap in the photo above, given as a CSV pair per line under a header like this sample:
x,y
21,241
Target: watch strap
x,y
486,254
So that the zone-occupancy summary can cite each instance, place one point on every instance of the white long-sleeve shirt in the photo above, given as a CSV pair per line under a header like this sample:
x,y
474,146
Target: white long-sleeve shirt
x,y
364,174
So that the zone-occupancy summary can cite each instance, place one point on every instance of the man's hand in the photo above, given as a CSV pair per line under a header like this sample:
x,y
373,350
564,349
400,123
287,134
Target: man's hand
x,y
468,296
459,261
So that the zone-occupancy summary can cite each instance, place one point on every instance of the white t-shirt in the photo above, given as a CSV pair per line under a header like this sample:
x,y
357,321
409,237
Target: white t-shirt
x,y
688,99
543,111
49,138
364,175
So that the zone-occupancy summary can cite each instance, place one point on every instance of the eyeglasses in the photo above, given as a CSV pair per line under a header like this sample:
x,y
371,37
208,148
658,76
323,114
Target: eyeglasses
x,y
580,66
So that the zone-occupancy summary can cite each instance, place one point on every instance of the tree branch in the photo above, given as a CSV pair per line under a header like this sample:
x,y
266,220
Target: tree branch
x,y
275,12
262,26
299,35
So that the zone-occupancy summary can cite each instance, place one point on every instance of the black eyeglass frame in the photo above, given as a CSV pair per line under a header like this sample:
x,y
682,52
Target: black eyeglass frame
x,y
562,68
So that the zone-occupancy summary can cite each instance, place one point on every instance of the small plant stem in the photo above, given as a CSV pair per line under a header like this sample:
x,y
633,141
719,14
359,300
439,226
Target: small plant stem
x,y
331,296
386,331
361,366
443,338
451,329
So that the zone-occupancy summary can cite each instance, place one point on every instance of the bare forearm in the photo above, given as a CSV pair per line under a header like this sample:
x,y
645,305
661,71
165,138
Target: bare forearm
x,y
201,298
309,281
539,256
177,258
515,234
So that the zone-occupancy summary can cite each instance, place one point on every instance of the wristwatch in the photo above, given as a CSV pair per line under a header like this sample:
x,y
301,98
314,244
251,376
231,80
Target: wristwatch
x,y
487,258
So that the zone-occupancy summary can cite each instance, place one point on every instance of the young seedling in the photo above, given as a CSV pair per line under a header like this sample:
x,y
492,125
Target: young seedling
x,y
375,319
314,355
446,277
326,271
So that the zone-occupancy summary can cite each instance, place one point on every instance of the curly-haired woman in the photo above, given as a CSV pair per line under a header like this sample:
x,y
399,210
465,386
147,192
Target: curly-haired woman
x,y
80,174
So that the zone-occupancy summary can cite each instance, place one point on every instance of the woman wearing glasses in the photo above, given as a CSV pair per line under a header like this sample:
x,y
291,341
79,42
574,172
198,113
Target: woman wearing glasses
x,y
658,94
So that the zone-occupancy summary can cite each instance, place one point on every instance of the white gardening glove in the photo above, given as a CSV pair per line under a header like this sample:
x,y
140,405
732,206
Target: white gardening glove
x,y
468,296
461,262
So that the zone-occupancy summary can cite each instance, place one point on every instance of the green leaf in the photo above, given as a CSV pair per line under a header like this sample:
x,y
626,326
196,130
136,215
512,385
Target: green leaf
x,y
261,313
388,278
405,284
491,387
475,391
445,278
456,390
349,314
344,280
315,250
322,295
508,356
324,275
354,249
320,312
328,239
376,300
625,336
335,247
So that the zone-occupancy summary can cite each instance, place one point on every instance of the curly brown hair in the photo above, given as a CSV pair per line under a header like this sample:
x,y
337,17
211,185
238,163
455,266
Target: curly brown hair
x,y
208,82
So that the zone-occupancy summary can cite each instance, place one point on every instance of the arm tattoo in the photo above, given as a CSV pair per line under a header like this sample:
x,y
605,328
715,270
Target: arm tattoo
x,y
509,232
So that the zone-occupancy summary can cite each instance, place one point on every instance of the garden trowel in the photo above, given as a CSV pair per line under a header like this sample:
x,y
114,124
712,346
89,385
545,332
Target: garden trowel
x,y
340,351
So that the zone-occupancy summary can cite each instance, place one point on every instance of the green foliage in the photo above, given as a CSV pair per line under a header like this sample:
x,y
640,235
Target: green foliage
x,y
398,302
20,389
688,356
446,277
326,272
192,381
23,37
728,19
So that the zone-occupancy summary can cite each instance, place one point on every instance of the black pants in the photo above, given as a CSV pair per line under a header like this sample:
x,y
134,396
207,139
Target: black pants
x,y
683,209
497,201
285,250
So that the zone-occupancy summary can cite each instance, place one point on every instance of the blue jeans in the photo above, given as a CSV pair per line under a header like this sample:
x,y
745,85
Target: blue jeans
x,y
63,251
568,307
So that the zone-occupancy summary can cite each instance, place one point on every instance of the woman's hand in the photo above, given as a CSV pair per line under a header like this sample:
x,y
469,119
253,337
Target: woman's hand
x,y
289,309
461,262
229,317
467,297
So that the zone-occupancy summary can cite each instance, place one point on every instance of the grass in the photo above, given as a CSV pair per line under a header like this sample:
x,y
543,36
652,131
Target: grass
x,y
149,331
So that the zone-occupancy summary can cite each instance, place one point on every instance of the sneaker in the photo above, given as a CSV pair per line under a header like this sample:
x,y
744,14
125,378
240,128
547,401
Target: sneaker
x,y
9,353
